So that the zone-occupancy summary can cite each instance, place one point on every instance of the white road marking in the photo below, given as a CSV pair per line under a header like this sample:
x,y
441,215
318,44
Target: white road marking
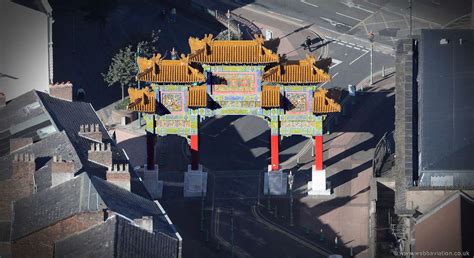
x,y
349,46
334,23
334,76
313,5
339,43
331,30
351,4
357,48
347,16
334,63
289,17
365,53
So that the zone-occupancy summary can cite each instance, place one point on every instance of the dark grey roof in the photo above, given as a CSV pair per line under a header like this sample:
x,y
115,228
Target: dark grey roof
x,y
132,205
83,193
116,237
445,102
69,116
53,205
23,117
57,143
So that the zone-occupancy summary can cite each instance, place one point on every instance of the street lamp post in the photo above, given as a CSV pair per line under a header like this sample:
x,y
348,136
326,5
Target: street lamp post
x,y
290,185
371,36
228,24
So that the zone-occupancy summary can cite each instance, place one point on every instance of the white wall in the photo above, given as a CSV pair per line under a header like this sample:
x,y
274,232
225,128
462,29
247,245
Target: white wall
x,y
23,49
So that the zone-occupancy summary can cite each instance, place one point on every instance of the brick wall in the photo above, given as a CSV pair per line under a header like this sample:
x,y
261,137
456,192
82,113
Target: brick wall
x,y
61,90
100,153
119,175
41,243
19,185
18,143
91,132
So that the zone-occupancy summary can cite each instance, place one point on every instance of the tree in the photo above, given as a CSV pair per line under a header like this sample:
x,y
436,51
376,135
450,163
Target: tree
x,y
124,68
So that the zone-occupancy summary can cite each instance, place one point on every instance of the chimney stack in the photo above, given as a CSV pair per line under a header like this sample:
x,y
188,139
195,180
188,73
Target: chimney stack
x,y
3,99
23,170
61,90
18,143
101,154
146,223
91,132
61,170
119,175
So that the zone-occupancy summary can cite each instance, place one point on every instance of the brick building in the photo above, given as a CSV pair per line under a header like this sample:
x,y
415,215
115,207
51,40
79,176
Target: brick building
x,y
49,164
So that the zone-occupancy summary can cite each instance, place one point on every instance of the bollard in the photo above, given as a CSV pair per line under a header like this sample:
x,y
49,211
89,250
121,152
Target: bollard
x,y
383,71
321,236
335,242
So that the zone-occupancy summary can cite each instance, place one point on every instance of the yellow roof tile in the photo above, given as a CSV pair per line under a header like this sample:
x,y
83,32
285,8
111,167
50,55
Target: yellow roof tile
x,y
158,70
142,100
209,51
197,96
323,104
270,96
302,71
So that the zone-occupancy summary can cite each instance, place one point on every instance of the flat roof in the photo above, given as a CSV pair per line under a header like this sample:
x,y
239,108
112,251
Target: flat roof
x,y
446,102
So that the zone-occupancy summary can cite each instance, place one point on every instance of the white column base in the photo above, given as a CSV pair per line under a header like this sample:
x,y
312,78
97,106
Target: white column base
x,y
275,182
318,184
151,182
195,182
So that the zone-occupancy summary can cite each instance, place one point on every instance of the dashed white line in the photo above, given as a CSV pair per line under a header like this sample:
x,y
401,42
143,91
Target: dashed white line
x,y
357,48
365,53
349,46
334,76
289,17
313,5
347,16
339,43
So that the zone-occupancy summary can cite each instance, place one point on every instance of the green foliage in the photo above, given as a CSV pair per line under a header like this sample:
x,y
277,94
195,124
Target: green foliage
x,y
123,104
123,68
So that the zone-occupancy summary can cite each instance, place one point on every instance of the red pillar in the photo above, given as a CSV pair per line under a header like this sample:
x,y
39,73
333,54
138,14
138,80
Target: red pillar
x,y
274,152
150,150
318,151
194,152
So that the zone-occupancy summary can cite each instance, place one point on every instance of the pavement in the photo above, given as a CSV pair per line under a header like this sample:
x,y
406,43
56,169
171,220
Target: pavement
x,y
348,153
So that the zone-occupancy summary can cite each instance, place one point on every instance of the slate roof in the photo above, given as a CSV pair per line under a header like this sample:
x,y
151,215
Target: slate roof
x,y
57,143
69,116
23,117
52,205
89,193
116,238
446,142
132,205
62,111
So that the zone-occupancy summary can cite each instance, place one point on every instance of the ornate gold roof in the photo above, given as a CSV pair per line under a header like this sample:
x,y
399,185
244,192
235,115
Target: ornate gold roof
x,y
293,72
158,70
209,51
270,96
142,100
197,96
323,104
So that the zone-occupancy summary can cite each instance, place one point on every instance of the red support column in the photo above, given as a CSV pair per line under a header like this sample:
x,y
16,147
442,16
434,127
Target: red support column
x,y
150,150
194,152
274,152
318,151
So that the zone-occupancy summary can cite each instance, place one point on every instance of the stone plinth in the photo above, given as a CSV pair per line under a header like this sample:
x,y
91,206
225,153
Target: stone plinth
x,y
195,182
275,182
151,182
318,184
